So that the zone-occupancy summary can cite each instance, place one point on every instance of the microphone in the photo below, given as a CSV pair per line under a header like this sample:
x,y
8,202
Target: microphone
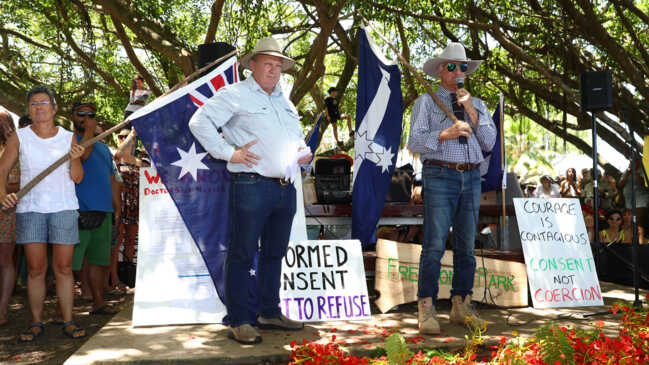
x,y
460,84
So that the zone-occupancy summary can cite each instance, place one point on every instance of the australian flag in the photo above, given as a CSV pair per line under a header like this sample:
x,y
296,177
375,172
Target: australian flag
x,y
197,183
379,108
490,168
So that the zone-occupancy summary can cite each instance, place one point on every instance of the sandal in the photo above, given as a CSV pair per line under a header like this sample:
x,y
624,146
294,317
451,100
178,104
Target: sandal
x,y
104,310
75,331
35,330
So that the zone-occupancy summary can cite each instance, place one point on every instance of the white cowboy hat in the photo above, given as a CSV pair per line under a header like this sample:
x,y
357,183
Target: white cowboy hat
x,y
269,46
453,52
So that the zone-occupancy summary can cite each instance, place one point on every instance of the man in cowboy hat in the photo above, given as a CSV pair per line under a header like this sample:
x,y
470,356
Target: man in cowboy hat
x,y
261,137
451,177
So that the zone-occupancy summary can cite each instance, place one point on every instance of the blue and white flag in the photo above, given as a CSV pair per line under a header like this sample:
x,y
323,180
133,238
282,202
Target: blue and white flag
x,y
312,142
491,167
198,184
379,108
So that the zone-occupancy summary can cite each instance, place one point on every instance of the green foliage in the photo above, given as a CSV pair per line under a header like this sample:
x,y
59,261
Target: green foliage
x,y
396,349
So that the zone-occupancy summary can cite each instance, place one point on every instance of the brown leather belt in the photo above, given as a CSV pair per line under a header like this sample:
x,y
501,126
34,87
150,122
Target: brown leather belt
x,y
281,181
461,167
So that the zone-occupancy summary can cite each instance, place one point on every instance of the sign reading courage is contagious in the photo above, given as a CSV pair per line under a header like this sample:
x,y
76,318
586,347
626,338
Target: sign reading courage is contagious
x,y
560,265
324,281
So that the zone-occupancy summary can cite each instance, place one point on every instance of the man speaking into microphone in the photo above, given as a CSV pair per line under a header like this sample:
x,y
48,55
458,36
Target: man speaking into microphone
x,y
451,154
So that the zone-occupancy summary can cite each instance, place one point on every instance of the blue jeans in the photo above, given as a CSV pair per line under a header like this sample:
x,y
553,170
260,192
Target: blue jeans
x,y
451,198
261,211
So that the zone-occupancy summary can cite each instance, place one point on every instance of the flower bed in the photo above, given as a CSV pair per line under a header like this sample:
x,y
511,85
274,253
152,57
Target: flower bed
x,y
552,345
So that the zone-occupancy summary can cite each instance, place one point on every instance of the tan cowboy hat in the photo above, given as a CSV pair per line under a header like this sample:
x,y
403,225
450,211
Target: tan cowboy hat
x,y
453,52
269,46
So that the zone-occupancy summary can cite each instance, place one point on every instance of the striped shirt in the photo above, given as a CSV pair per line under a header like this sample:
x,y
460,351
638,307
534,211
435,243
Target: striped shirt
x,y
428,121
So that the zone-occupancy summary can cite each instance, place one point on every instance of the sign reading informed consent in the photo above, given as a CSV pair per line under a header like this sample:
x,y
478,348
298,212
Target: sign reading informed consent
x,y
557,252
324,280
397,274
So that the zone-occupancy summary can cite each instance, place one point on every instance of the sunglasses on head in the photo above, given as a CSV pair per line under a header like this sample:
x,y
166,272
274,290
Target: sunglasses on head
x,y
452,66
89,114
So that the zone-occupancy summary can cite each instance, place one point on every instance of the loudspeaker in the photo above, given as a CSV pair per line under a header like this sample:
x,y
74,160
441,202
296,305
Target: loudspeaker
x,y
209,52
596,90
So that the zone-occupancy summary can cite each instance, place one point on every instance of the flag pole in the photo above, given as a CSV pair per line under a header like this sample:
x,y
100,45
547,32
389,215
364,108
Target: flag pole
x,y
502,163
414,71
193,76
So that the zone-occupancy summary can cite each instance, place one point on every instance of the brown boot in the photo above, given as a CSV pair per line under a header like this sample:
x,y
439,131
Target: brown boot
x,y
427,323
245,334
463,313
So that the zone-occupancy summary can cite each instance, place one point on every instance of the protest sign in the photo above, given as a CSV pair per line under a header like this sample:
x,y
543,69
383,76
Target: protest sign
x,y
171,274
324,280
397,275
557,251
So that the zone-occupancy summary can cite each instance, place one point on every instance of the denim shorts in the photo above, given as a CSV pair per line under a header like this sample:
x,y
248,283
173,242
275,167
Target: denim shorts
x,y
61,227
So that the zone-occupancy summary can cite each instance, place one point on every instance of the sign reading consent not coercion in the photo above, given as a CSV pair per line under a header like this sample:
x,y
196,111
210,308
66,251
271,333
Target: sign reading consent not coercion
x,y
557,251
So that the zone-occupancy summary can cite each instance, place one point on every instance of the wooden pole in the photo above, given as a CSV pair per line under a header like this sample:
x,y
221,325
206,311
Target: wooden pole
x,y
196,74
414,71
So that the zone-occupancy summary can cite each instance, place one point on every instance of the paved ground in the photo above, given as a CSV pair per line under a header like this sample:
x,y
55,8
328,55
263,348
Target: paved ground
x,y
119,343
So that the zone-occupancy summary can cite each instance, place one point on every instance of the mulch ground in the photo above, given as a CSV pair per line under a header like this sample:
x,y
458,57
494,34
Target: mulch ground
x,y
52,347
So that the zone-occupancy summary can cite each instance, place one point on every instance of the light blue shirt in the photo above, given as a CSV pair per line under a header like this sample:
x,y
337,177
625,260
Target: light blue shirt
x,y
245,112
428,121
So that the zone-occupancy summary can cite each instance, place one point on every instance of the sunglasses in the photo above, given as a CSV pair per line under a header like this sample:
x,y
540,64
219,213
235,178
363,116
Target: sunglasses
x,y
615,218
451,67
120,136
44,102
89,114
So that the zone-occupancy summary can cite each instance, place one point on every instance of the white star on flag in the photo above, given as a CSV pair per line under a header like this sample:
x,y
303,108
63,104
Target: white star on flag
x,y
190,162
364,145
252,272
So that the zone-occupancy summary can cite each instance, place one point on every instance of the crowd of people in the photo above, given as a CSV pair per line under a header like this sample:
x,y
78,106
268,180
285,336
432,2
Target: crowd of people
x,y
73,222
614,201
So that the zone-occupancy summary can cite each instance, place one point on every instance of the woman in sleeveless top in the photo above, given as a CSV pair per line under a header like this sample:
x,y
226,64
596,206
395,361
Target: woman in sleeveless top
x,y
48,212
614,233
627,228
7,225
129,167
569,185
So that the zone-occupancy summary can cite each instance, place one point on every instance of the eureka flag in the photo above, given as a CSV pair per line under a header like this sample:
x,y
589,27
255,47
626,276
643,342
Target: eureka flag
x,y
379,108
197,183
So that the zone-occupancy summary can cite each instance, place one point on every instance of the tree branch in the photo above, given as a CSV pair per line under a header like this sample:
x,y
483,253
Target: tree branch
x,y
215,17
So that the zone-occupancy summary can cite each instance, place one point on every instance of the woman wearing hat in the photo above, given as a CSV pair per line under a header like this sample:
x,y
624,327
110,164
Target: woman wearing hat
x,y
263,137
451,154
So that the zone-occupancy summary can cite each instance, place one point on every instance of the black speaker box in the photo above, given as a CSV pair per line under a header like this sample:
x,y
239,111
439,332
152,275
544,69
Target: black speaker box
x,y
333,180
209,52
596,90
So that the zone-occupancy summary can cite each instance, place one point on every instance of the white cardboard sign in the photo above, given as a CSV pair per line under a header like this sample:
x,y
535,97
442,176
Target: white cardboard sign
x,y
324,280
560,266
173,284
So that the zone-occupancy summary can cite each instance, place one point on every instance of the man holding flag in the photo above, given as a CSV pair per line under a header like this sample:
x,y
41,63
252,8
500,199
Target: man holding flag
x,y
263,144
451,155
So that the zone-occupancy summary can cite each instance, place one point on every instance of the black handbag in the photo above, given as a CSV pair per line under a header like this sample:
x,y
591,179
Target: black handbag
x,y
91,219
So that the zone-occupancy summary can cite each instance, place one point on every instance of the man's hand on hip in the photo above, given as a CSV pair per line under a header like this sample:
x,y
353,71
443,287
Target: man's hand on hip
x,y
244,156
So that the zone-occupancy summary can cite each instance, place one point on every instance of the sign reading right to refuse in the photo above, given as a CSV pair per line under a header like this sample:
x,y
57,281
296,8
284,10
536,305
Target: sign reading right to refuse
x,y
560,266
